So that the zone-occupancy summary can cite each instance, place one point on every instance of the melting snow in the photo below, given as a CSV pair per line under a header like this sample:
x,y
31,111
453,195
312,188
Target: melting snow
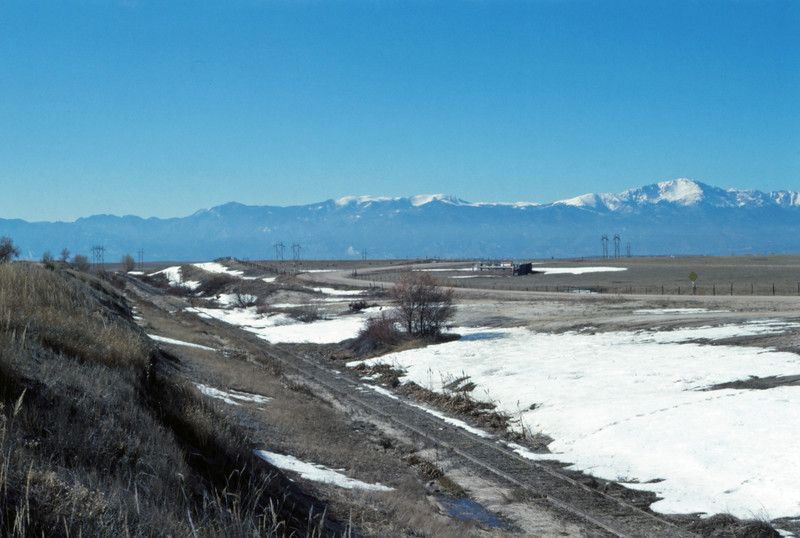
x,y
166,340
577,270
316,472
629,406
452,421
280,328
232,396
667,311
333,291
235,299
215,267
175,278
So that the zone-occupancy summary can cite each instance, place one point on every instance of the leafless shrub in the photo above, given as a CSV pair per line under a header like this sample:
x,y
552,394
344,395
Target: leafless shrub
x,y
128,263
8,250
377,333
358,306
215,283
423,307
244,300
305,314
81,263
64,256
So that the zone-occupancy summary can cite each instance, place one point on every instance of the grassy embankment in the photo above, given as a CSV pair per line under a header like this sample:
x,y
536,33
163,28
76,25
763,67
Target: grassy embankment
x,y
100,438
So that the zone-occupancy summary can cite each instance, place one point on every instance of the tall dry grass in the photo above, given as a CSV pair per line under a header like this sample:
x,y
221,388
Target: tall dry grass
x,y
98,437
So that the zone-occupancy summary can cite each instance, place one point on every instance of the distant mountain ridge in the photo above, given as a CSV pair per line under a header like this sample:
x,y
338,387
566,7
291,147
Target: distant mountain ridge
x,y
684,192
680,216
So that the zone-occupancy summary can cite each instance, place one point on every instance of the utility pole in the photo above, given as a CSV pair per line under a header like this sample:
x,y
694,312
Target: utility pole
x,y
604,241
364,254
616,245
279,248
98,257
296,251
628,249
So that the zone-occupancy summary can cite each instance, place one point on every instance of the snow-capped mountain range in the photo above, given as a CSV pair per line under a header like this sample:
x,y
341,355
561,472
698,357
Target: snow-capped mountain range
x,y
683,192
680,216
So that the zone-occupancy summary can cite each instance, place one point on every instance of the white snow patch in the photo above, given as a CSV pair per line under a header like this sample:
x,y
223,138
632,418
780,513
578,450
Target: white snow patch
x,y
670,311
577,270
166,340
175,278
269,279
627,406
234,299
333,291
215,267
316,472
280,328
136,273
380,390
231,397
452,421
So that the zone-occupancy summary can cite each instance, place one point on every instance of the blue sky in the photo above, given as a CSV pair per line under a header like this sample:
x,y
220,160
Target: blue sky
x,y
162,108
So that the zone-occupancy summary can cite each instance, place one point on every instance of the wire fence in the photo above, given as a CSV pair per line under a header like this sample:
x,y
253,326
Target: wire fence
x,y
739,289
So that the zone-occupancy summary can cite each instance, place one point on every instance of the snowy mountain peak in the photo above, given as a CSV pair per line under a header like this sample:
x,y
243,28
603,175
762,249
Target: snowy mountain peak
x,y
416,200
423,199
681,191
362,200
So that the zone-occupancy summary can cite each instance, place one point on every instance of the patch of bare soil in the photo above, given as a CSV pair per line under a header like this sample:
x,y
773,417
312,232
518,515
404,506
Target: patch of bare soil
x,y
758,383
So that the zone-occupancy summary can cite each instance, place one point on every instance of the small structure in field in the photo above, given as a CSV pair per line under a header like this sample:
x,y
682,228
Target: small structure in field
x,y
521,269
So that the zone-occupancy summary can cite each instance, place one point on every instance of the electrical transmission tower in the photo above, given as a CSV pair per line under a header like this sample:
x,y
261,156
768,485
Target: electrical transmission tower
x,y
604,240
628,248
141,259
616,245
98,257
296,248
364,254
279,248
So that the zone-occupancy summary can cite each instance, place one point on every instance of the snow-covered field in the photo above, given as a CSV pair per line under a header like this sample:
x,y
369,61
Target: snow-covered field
x,y
316,472
631,406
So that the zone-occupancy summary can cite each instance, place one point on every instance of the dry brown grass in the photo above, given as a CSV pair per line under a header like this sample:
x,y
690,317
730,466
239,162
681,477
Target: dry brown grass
x,y
98,438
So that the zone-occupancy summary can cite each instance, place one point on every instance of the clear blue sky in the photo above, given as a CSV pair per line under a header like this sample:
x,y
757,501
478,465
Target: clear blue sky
x,y
162,108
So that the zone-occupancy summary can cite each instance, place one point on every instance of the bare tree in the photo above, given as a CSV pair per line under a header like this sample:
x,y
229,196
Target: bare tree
x,y
47,257
128,263
423,307
64,257
8,250
81,263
